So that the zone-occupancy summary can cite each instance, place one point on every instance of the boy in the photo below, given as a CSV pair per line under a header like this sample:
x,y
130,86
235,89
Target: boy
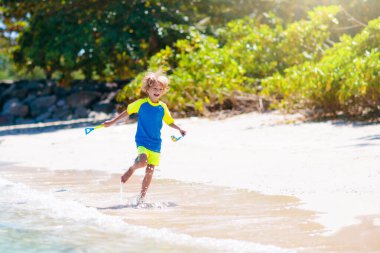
x,y
151,112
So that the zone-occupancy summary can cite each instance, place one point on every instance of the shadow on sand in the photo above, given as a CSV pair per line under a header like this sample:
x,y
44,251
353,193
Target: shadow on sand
x,y
38,128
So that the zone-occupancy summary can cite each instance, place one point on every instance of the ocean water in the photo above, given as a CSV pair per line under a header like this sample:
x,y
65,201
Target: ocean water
x,y
58,219
45,210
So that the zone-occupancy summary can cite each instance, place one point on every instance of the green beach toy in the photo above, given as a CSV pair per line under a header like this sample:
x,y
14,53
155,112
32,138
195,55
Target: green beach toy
x,y
88,130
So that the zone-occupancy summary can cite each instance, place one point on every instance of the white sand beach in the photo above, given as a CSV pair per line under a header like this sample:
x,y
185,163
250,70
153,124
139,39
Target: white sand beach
x,y
331,168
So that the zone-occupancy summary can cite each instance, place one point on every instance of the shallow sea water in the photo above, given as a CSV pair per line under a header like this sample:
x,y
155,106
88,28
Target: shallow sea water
x,y
86,211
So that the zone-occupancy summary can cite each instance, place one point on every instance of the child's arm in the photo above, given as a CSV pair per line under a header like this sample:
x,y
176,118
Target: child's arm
x,y
183,132
121,116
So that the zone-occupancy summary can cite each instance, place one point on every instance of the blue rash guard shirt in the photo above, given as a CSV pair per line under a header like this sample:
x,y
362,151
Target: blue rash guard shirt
x,y
149,123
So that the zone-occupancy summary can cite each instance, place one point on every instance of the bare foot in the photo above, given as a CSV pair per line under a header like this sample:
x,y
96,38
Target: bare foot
x,y
140,200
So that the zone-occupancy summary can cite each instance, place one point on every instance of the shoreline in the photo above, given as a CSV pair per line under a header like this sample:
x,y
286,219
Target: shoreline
x,y
330,167
199,210
207,211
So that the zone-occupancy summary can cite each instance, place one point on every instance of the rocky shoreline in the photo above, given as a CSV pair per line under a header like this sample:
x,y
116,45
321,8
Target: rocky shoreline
x,y
31,102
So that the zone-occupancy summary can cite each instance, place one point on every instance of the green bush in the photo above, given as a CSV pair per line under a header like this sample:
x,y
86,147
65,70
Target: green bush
x,y
306,40
202,75
292,63
252,45
346,79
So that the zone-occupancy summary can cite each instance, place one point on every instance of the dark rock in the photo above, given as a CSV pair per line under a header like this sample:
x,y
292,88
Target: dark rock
x,y
15,108
61,103
20,93
8,91
83,98
6,119
43,117
42,104
29,99
62,113
60,91
48,120
8,103
81,112
84,86
24,121
104,107
44,91
34,85
2,88
52,108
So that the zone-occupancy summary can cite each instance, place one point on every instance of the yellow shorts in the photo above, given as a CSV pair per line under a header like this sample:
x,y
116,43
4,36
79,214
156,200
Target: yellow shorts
x,y
153,157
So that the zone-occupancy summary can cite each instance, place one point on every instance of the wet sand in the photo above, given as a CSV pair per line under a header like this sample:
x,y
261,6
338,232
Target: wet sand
x,y
200,210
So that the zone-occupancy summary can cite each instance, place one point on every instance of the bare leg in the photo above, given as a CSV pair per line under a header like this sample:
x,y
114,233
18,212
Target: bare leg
x,y
147,179
139,163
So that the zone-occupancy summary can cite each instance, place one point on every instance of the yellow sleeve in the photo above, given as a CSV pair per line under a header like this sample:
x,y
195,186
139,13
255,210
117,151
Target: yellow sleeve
x,y
135,106
168,119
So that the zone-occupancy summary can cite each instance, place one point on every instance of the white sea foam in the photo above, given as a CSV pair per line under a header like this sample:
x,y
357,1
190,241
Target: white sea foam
x,y
58,209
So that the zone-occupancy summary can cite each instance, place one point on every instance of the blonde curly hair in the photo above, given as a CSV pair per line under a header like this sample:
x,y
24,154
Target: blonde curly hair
x,y
152,78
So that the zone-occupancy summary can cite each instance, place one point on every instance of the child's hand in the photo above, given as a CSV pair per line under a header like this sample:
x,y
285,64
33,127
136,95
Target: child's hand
x,y
183,132
108,123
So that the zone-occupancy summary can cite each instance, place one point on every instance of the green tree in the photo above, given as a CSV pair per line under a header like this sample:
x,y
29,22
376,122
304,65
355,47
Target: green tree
x,y
115,38
106,39
99,38
7,70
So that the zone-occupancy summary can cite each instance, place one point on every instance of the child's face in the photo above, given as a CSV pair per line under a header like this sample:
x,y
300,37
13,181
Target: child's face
x,y
155,92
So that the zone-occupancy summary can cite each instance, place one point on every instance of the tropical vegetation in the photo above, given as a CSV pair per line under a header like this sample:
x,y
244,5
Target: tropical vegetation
x,y
300,56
